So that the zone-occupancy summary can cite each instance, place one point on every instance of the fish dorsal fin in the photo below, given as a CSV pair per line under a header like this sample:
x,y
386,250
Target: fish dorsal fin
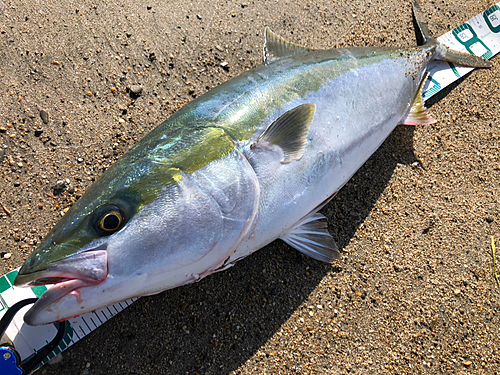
x,y
289,132
310,236
422,25
418,114
276,47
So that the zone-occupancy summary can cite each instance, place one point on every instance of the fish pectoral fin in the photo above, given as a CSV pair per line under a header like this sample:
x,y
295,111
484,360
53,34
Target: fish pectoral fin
x,y
310,236
276,47
418,114
289,132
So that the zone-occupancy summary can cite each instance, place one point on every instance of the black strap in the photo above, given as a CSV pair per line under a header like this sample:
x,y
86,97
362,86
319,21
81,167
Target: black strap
x,y
9,315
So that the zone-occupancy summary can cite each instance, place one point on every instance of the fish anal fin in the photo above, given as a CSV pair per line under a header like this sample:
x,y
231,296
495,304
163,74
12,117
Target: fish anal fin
x,y
310,236
289,132
276,47
418,114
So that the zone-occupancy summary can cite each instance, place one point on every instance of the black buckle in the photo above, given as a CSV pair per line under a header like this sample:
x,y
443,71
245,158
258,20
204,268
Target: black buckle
x,y
10,359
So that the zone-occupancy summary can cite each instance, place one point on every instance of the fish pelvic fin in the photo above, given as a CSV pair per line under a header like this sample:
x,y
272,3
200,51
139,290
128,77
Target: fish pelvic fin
x,y
443,52
276,47
418,113
310,236
289,132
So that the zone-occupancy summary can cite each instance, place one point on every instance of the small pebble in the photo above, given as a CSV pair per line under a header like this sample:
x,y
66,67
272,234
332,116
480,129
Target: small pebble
x,y
59,187
44,116
135,89
7,256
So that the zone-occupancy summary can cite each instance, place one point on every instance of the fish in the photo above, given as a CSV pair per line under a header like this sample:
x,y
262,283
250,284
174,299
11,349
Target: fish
x,y
251,161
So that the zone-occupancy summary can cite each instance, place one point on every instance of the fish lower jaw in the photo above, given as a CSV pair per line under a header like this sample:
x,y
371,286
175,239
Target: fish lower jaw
x,y
54,294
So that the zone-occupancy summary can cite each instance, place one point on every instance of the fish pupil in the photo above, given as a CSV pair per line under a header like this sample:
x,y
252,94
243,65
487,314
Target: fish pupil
x,y
111,222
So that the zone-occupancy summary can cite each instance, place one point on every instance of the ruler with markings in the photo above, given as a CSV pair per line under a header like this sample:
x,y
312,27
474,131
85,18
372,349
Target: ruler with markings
x,y
479,36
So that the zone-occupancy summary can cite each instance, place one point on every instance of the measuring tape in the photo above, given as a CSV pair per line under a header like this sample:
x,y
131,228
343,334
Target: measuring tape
x,y
479,36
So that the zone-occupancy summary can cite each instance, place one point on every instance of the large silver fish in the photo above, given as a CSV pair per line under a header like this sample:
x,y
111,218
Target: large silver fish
x,y
249,162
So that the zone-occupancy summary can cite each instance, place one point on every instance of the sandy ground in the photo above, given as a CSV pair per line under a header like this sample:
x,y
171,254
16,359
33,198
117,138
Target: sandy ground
x,y
414,292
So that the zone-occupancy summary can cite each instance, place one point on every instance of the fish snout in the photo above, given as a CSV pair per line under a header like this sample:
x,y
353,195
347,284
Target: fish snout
x,y
88,266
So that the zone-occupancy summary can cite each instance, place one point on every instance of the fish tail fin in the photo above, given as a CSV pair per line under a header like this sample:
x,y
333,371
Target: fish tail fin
x,y
443,52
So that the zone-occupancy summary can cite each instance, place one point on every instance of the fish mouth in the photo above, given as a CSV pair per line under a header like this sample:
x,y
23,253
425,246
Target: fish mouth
x,y
66,276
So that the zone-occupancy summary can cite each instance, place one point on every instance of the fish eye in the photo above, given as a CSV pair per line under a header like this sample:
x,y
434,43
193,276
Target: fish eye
x,y
108,220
